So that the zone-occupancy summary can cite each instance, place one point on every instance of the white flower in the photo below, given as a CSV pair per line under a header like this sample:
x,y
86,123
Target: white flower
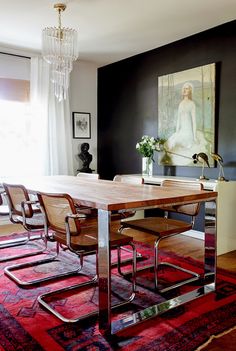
x,y
147,145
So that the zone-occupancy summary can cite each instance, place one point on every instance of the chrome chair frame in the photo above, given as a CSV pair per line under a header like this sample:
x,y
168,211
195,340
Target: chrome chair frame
x,y
24,217
9,270
179,230
42,299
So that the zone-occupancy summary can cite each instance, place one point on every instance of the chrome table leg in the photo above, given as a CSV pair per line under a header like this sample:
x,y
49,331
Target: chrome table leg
x,y
104,272
210,240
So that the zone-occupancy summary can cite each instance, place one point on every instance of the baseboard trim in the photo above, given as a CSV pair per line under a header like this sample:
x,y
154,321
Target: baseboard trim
x,y
4,220
194,234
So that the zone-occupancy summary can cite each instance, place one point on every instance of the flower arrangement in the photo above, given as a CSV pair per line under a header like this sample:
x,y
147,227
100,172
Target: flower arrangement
x,y
147,145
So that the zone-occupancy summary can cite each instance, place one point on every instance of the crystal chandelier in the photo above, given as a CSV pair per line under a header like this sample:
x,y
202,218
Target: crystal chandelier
x,y
60,49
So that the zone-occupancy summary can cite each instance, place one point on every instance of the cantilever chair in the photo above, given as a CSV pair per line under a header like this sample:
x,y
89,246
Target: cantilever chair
x,y
22,211
26,212
88,175
62,218
123,215
116,215
135,180
4,211
164,227
84,211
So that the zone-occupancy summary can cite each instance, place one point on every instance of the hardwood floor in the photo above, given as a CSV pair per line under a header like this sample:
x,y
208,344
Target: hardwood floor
x,y
11,228
182,245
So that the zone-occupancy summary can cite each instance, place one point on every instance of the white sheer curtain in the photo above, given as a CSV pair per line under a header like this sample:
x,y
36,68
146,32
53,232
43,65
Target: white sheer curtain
x,y
51,124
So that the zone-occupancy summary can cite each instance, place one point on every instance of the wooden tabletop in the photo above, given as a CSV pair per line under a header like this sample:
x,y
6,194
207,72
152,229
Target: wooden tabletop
x,y
110,195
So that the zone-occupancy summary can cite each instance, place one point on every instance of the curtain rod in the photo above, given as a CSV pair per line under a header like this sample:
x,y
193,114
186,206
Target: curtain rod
x,y
5,53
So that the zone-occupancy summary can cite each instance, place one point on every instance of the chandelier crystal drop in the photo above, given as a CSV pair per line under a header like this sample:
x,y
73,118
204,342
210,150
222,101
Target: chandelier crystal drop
x,y
60,49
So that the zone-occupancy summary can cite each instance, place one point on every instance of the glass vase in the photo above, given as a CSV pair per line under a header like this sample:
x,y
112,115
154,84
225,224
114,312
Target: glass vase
x,y
147,166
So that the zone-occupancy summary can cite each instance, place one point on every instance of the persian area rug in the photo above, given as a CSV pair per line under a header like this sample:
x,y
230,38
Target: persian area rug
x,y
25,326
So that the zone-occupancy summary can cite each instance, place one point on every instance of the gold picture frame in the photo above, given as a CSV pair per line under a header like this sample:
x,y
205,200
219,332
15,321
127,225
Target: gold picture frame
x,y
186,114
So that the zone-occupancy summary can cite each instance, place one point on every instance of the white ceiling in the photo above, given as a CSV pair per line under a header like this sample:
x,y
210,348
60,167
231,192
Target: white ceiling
x,y
110,30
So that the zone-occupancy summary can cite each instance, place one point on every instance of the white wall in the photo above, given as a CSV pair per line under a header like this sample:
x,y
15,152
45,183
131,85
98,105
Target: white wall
x,y
83,98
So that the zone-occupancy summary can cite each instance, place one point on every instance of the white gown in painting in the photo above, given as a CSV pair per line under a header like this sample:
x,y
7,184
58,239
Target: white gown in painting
x,y
186,140
185,135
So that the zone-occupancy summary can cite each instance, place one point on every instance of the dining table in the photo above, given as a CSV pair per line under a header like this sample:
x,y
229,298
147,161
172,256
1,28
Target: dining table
x,y
107,196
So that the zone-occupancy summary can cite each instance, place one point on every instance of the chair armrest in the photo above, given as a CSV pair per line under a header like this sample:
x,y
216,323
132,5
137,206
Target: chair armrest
x,y
86,210
68,232
23,209
71,215
30,202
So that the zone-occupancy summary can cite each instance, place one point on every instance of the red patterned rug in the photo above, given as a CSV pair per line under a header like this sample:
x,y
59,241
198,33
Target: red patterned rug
x,y
24,325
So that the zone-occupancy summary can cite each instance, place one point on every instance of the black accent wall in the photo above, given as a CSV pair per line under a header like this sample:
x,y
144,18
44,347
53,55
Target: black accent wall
x,y
127,101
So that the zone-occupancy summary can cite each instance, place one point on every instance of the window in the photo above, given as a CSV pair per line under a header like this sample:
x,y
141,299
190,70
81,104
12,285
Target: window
x,y
16,139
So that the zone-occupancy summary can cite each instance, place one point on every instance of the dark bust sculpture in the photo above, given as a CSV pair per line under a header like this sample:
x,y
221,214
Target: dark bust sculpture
x,y
86,158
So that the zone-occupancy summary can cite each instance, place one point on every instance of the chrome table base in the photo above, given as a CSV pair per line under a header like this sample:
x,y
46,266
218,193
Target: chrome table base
x,y
207,280
156,310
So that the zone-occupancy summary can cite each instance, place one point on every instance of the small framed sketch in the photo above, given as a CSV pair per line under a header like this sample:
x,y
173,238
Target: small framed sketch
x,y
81,125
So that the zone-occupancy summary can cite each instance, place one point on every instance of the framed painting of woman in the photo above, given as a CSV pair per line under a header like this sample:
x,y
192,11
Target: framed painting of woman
x,y
186,114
